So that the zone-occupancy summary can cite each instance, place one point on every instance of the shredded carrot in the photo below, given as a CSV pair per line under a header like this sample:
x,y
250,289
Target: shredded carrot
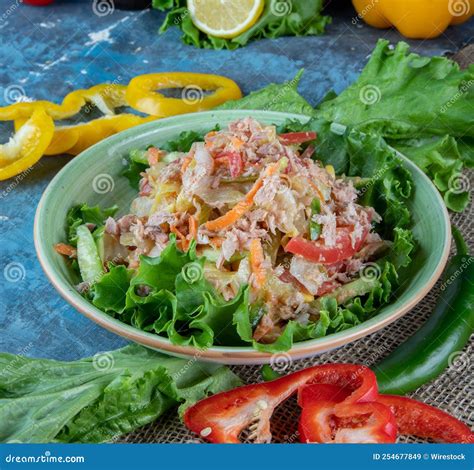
x,y
216,242
256,263
181,238
65,250
210,134
243,206
185,164
318,191
230,217
193,227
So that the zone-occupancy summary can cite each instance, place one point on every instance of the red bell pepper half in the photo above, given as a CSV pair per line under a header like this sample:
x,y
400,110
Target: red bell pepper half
x,y
329,415
323,419
222,417
292,138
339,402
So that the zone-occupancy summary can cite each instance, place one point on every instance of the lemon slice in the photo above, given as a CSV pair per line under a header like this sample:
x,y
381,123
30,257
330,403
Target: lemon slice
x,y
225,18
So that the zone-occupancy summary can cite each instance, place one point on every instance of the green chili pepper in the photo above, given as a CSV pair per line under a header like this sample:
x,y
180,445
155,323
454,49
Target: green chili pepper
x,y
431,349
314,227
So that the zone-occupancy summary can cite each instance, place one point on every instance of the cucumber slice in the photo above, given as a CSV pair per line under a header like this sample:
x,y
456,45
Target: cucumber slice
x,y
88,258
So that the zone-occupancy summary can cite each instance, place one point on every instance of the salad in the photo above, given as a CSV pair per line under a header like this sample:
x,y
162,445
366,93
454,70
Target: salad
x,y
244,237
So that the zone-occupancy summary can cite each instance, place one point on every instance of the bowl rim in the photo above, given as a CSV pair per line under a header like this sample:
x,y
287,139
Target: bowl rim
x,y
222,354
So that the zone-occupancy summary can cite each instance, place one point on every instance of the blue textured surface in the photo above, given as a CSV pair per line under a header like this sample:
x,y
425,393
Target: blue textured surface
x,y
47,52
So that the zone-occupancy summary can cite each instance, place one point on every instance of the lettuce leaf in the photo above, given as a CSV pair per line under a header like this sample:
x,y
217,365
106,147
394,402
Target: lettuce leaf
x,y
85,214
110,293
402,95
442,161
281,18
184,141
282,97
137,163
169,295
421,105
98,399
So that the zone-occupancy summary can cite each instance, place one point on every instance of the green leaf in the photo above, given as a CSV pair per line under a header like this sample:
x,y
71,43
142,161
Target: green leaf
x,y
274,97
137,163
184,141
160,272
402,248
110,292
98,399
421,105
85,214
402,95
440,158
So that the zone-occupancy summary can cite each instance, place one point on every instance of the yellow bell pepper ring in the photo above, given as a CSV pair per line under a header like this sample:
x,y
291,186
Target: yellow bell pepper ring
x,y
141,94
74,138
102,96
27,146
83,136
416,19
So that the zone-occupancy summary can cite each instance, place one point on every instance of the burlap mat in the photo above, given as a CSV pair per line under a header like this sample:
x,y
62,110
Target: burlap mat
x,y
452,391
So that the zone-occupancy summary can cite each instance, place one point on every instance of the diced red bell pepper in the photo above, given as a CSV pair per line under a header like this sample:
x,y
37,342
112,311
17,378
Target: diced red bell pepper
x,y
418,419
235,162
329,415
222,417
318,252
292,138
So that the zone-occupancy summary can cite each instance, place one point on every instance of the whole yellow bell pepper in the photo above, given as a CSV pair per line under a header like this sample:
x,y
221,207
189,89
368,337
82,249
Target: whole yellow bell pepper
x,y
416,19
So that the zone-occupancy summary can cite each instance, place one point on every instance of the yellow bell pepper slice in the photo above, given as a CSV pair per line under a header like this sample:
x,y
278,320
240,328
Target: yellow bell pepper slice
x,y
102,96
27,146
73,139
141,94
76,138
416,19
89,133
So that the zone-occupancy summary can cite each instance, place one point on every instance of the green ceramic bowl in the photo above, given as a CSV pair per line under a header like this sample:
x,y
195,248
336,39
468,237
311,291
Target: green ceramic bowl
x,y
94,177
